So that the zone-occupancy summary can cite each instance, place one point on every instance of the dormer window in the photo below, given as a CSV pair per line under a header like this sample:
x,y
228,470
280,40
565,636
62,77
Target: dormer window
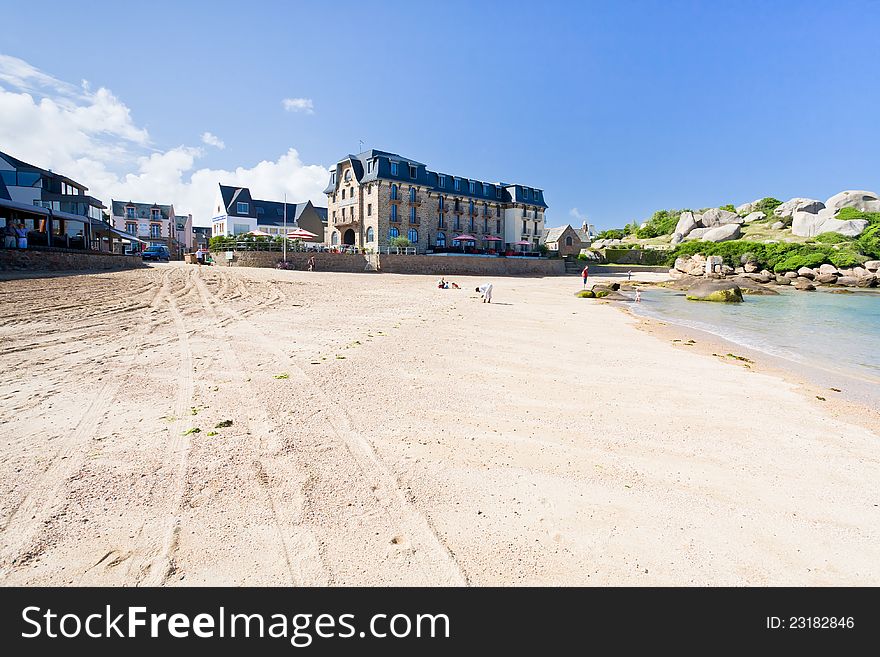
x,y
441,181
472,187
485,189
412,171
394,169
498,192
129,212
347,175
525,192
242,208
457,185
155,214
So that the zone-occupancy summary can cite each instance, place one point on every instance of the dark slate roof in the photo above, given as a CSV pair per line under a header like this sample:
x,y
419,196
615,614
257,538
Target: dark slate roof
x,y
322,212
141,210
4,193
267,213
373,165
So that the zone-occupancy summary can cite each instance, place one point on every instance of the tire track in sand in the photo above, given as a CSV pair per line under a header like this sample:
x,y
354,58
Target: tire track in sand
x,y
20,528
415,526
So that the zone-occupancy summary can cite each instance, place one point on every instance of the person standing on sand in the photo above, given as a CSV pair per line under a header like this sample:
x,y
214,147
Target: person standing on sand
x,y
21,235
486,290
200,256
586,273
629,275
638,295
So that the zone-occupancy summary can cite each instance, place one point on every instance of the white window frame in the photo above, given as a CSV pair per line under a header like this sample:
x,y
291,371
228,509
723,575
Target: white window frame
x,y
242,204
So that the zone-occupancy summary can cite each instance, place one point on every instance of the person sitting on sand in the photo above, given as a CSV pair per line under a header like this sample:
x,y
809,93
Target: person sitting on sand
x,y
455,286
311,263
486,290
441,284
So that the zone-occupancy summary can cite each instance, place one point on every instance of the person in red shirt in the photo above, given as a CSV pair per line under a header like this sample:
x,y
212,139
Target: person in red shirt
x,y
586,273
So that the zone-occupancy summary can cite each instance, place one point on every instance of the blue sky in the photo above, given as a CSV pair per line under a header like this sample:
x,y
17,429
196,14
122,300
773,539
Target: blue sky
x,y
616,109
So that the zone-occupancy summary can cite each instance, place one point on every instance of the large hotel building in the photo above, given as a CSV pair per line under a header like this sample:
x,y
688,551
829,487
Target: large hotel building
x,y
376,196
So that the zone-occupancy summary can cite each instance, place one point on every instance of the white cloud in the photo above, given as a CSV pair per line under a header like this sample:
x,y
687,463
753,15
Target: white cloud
x,y
213,140
93,138
578,216
299,105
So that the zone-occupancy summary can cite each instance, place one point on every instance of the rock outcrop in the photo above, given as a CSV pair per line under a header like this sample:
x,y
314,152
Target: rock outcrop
x,y
753,216
791,206
858,199
722,233
718,291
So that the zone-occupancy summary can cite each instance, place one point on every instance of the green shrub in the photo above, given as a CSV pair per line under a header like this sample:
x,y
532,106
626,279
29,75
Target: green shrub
x,y
767,205
830,238
611,234
850,213
400,242
661,222
797,260
729,207
847,257
586,294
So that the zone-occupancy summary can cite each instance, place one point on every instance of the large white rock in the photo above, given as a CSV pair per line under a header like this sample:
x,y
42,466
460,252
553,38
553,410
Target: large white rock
x,y
805,224
791,206
676,239
778,226
722,233
848,228
872,265
747,208
828,269
718,217
858,199
696,234
686,223
753,216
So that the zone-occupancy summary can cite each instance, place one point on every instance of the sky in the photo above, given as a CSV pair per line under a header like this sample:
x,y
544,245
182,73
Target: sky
x,y
614,109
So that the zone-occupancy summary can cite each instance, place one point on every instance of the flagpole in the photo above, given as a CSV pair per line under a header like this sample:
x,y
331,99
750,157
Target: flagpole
x,y
284,243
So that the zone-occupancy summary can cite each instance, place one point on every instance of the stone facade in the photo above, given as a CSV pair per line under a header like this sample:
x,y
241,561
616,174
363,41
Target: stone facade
x,y
339,262
64,260
368,211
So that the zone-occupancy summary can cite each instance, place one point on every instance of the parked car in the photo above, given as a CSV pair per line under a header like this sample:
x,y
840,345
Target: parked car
x,y
156,253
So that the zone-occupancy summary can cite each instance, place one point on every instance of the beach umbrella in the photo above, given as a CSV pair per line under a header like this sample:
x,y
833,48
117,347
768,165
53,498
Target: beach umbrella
x,y
491,238
464,238
301,234
259,233
522,243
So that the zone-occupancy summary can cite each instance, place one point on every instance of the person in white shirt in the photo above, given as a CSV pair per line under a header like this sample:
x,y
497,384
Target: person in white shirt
x,y
486,290
200,256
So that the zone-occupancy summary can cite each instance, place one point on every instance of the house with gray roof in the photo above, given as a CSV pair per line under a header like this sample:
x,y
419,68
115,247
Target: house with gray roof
x,y
236,212
565,240
154,223
376,196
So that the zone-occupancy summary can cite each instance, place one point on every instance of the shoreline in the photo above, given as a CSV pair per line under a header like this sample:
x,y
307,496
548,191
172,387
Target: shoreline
x,y
839,404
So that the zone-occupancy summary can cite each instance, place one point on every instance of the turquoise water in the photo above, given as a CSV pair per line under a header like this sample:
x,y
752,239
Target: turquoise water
x,y
834,333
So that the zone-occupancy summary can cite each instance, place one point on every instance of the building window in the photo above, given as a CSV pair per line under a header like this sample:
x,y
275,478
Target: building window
x,y
393,233
371,235
343,214
525,229
485,189
472,187
242,208
347,175
457,224
155,230
485,226
334,239
412,215
441,239
485,210
498,192
334,215
393,213
129,213
131,228
343,194
457,185
471,225
568,241
394,168
525,192
412,194
498,226
412,171
470,207
441,221
413,235
369,209
440,203
441,181
497,210
393,192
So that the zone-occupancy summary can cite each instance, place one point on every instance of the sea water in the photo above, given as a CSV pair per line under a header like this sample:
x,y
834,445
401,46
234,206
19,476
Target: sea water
x,y
834,336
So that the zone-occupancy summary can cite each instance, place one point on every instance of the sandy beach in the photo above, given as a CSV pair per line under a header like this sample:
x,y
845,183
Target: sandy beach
x,y
382,431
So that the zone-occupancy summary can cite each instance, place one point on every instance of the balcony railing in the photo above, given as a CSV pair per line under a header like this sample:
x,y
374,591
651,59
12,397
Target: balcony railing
x,y
345,221
395,220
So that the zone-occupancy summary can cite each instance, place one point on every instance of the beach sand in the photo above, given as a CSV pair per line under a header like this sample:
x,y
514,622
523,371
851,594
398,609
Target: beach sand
x,y
387,432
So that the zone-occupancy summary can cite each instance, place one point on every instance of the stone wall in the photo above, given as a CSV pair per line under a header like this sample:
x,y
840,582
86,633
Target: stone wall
x,y
470,266
49,259
343,262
